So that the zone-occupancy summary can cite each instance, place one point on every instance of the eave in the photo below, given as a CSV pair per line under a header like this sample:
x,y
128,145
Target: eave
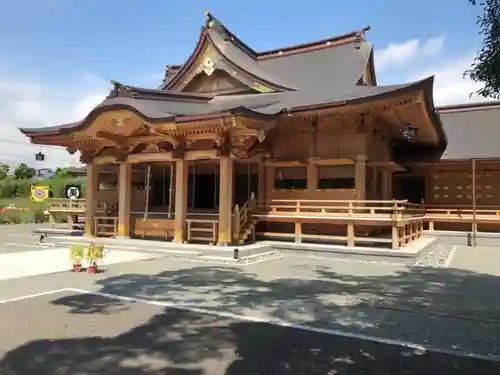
x,y
478,106
173,119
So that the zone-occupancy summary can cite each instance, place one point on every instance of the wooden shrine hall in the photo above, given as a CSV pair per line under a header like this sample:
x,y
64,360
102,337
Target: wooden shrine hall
x,y
297,143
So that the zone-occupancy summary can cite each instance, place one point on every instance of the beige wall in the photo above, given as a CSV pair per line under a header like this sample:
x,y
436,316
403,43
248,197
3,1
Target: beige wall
x,y
297,142
300,142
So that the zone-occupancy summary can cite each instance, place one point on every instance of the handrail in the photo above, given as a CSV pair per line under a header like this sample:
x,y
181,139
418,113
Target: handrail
x,y
242,216
395,209
66,203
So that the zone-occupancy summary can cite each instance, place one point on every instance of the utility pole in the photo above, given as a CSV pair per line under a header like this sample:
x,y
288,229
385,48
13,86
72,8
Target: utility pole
x,y
474,224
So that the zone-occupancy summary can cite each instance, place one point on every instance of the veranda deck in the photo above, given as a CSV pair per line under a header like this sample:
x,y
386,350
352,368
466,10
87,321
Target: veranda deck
x,y
389,222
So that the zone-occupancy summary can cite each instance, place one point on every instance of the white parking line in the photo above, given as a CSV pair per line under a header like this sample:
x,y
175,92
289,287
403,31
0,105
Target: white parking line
x,y
15,244
282,323
273,321
34,295
34,246
450,256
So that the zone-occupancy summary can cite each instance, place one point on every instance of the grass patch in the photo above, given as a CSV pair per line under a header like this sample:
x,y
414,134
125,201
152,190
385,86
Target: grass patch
x,y
30,212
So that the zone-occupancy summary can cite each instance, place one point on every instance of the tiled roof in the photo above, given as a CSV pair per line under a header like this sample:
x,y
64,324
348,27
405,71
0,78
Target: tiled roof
x,y
473,130
312,75
175,107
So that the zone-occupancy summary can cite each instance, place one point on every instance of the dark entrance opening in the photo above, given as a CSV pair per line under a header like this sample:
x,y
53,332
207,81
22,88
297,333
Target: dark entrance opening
x,y
203,190
160,185
411,188
204,195
246,182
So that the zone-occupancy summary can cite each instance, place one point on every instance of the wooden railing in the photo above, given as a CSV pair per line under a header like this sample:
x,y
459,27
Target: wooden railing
x,y
463,211
462,214
242,217
105,226
65,204
389,210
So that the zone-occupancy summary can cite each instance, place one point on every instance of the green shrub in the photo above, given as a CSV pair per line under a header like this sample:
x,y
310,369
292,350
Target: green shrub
x,y
18,193
12,188
13,217
95,253
77,253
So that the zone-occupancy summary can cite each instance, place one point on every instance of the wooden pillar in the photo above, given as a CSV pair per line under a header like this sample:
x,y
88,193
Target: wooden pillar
x,y
71,222
350,234
375,194
386,184
312,177
181,187
395,236
124,197
91,197
360,177
225,200
261,194
52,220
298,232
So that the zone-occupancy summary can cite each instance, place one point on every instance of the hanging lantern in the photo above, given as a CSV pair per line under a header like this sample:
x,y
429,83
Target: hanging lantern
x,y
409,132
39,156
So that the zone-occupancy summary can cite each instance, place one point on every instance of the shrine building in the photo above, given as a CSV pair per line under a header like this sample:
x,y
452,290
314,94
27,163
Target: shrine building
x,y
298,143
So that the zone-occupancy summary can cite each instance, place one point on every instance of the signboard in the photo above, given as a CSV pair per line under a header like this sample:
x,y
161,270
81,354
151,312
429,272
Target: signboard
x,y
39,193
73,191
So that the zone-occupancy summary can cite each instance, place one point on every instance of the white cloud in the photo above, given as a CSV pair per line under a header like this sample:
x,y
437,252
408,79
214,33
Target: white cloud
x,y
450,87
399,54
416,59
33,104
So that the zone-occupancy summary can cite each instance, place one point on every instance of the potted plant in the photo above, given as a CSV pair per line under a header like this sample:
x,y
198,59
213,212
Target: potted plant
x,y
95,253
76,254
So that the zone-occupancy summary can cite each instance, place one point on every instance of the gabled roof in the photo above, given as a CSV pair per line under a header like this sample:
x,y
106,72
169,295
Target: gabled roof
x,y
310,76
339,61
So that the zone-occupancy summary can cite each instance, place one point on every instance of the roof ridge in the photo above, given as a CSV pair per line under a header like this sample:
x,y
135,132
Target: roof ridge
x,y
212,22
334,41
121,90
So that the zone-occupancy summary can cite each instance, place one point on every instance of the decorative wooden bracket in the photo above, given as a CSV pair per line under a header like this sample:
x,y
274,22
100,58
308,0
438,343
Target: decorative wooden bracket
x,y
223,145
119,140
180,149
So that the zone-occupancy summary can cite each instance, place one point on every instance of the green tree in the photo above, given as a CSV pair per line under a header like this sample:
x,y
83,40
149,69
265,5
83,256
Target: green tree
x,y
23,172
486,66
4,171
62,172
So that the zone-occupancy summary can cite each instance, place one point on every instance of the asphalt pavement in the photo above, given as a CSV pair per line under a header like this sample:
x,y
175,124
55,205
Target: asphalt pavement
x,y
345,315
81,334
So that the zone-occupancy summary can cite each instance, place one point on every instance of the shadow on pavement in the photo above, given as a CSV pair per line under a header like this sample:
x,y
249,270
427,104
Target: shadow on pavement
x,y
180,342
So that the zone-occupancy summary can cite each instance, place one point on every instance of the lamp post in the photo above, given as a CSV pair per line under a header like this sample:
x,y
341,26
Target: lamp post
x,y
39,156
409,132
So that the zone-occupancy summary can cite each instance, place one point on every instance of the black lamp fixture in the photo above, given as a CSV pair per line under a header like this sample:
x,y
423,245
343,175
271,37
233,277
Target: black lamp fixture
x,y
409,132
39,156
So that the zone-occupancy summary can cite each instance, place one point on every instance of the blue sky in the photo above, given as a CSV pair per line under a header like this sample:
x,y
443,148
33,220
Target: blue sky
x,y
57,56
